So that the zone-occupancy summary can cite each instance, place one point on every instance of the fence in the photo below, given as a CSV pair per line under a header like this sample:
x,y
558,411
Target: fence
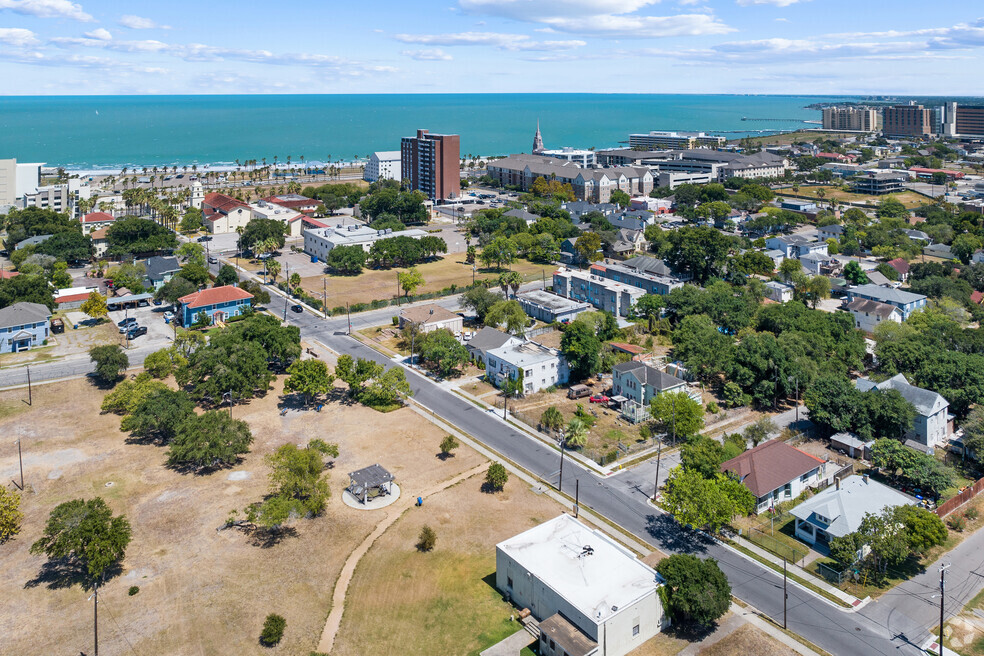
x,y
963,497
764,536
832,575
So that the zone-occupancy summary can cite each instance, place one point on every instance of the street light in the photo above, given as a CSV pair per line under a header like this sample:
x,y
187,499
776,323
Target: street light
x,y
560,484
659,454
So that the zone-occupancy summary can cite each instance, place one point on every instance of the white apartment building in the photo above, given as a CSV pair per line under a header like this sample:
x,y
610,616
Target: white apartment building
x,y
383,165
318,242
17,180
583,158
658,139
591,596
59,197
541,366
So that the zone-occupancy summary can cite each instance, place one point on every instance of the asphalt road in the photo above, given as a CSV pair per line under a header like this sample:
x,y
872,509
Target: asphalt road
x,y
897,624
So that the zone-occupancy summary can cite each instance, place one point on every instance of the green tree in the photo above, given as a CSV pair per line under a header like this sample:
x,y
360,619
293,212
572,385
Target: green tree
x,y
10,514
387,390
650,308
175,288
973,428
442,350
298,484
965,245
699,502
86,535
111,363
410,280
310,378
448,444
131,235
552,419
509,314
191,221
759,430
576,434
620,198
348,260
159,364
697,591
588,246
259,230
95,306
705,350
209,441
159,414
677,414
192,253
581,347
703,455
227,276
480,300
854,274
496,477
427,539
501,252
26,288
273,629
67,247
699,250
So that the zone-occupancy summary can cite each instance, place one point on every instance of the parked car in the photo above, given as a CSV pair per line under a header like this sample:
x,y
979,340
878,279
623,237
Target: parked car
x,y
126,324
578,391
168,316
599,398
136,331
158,301
297,308
213,260
204,238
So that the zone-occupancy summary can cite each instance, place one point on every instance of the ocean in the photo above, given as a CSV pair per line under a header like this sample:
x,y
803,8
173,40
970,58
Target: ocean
x,y
109,132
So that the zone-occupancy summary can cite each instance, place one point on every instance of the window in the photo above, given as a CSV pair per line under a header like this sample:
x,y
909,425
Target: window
x,y
635,630
508,581
553,645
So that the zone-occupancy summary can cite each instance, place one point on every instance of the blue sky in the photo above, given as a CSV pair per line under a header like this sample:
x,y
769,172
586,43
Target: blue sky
x,y
55,47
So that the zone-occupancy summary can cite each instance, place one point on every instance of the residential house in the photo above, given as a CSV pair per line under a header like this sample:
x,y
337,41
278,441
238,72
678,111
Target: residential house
x,y
218,303
627,242
318,242
223,214
431,317
917,235
821,264
776,472
833,231
878,278
488,339
868,315
838,510
941,251
537,365
590,595
976,297
642,383
852,445
100,242
96,221
160,270
777,256
568,251
637,353
778,291
902,266
907,302
527,217
72,297
796,245
23,326
549,308
295,202
932,425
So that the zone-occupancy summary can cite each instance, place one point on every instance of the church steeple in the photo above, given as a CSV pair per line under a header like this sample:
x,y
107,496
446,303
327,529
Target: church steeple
x,y
537,139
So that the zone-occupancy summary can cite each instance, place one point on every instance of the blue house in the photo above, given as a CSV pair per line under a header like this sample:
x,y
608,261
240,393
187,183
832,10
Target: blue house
x,y
22,326
907,302
219,303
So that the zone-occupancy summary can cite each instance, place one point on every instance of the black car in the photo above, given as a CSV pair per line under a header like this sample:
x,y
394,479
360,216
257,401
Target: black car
x,y
297,308
136,331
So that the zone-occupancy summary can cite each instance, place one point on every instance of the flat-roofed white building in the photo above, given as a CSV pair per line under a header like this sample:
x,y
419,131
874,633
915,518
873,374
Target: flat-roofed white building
x,y
581,157
592,596
383,165
293,219
318,242
539,366
17,179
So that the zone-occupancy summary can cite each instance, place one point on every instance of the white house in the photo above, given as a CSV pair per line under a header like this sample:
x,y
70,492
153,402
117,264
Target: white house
x,y
591,595
778,291
431,317
932,424
869,314
540,366
318,242
383,165
838,510
223,214
488,339
775,472
638,381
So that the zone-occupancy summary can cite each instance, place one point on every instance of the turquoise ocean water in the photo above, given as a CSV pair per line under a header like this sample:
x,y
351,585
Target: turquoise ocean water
x,y
92,132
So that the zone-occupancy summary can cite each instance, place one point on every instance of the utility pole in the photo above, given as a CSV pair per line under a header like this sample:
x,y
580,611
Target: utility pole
x,y
20,460
95,616
659,453
324,296
397,289
560,485
577,496
943,569
230,404
348,311
30,394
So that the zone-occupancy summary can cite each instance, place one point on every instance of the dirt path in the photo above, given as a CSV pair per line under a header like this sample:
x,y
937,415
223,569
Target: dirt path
x,y
393,513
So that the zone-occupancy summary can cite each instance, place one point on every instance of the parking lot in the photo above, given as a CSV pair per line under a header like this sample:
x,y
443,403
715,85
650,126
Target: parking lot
x,y
159,334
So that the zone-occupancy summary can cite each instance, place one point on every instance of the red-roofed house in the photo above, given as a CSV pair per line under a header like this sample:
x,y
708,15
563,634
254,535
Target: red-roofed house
x,y
295,202
976,297
837,157
927,174
638,353
219,303
776,472
224,213
96,221
7,275
901,266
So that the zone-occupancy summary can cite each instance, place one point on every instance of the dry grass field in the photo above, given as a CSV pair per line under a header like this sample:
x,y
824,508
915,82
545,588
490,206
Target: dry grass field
x,y
908,198
202,591
747,640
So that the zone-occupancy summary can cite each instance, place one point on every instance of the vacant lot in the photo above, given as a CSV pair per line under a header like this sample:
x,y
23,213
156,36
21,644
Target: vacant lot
x,y
794,137
202,591
908,198
382,284
747,640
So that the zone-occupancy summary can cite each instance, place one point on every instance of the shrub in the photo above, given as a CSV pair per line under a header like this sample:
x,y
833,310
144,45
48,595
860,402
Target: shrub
x,y
712,408
396,321
448,444
133,590
957,523
971,514
273,629
426,539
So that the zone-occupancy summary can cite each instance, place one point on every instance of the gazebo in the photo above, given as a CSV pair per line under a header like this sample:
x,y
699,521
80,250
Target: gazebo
x,y
370,482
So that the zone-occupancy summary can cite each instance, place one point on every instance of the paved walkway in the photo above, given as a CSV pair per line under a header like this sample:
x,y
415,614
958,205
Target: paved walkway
x,y
512,645
394,512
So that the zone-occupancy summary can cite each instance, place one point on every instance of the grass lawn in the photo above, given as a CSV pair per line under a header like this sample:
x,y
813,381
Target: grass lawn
x,y
778,539
374,284
792,137
908,198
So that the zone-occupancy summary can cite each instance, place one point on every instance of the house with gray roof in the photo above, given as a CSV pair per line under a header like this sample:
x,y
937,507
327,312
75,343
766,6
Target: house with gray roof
x,y
32,241
838,510
528,217
869,314
549,307
906,302
160,270
796,245
537,365
941,251
487,339
23,326
931,426
641,383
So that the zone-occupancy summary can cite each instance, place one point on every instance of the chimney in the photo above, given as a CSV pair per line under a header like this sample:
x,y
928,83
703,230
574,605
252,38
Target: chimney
x,y
865,479
837,483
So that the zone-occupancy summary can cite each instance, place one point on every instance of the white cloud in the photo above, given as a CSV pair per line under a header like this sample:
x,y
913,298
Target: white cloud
x,y
16,36
605,18
777,3
47,9
100,34
141,23
428,54
493,39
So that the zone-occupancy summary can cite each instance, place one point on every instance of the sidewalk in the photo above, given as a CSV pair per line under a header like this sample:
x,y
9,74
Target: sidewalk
x,y
738,618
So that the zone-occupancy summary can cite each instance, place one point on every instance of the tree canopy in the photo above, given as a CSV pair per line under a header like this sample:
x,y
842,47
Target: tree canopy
x,y
86,535
132,235
697,591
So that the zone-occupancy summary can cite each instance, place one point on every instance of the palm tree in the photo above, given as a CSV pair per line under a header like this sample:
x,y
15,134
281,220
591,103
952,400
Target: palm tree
x,y
576,435
551,419
295,281
273,268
